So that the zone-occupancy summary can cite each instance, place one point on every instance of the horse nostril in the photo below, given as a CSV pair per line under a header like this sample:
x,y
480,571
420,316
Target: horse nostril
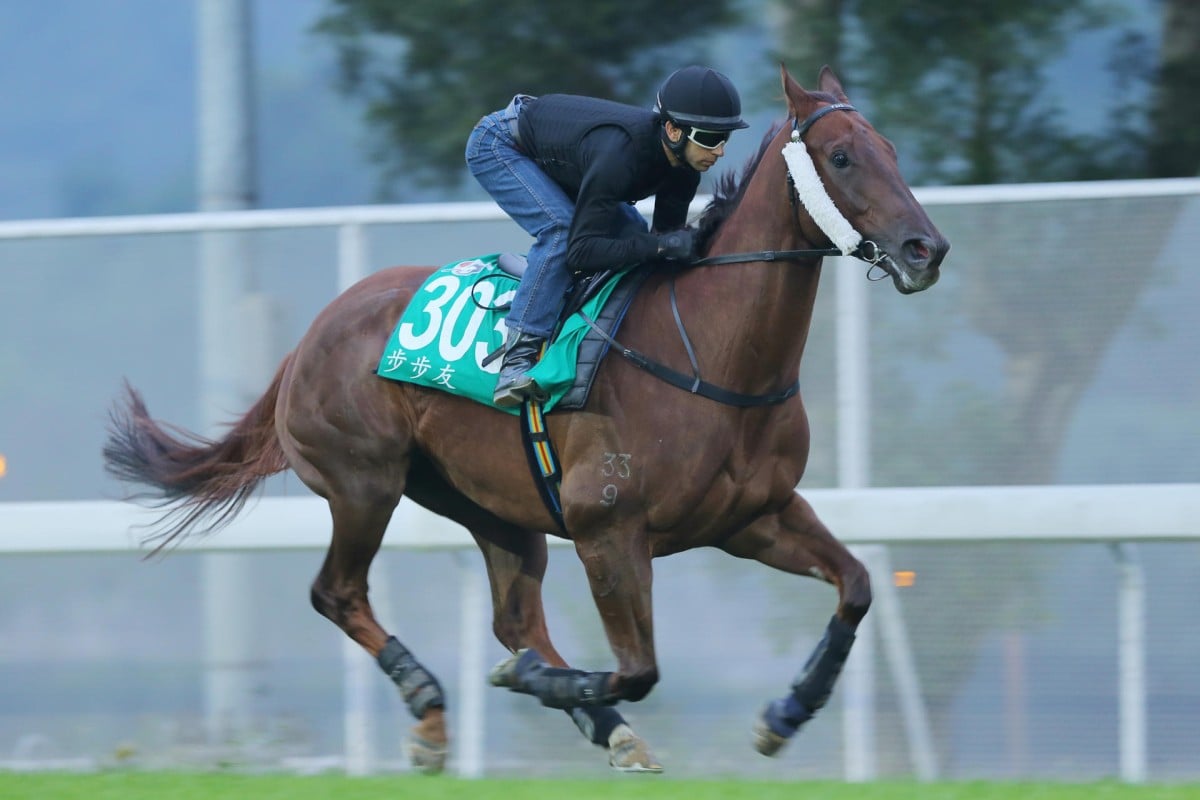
x,y
926,253
918,251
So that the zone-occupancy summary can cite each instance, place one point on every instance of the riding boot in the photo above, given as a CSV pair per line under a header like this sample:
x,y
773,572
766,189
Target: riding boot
x,y
514,386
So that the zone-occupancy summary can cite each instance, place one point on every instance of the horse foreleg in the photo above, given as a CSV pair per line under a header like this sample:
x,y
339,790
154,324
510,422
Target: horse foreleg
x,y
619,576
516,565
340,594
796,541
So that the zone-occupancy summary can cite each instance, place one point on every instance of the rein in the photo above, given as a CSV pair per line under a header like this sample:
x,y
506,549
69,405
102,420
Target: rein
x,y
867,251
765,255
824,214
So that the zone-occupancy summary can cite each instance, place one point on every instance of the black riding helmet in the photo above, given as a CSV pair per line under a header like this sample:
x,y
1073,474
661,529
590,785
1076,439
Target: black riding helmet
x,y
699,97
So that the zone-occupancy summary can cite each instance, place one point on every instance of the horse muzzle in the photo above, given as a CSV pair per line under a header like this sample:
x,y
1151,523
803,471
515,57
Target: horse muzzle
x,y
916,264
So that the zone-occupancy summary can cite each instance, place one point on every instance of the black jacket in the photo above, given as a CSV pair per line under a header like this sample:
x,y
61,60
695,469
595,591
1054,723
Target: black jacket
x,y
602,154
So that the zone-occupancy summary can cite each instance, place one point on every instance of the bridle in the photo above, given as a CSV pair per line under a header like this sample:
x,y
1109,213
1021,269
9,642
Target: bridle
x,y
866,250
808,194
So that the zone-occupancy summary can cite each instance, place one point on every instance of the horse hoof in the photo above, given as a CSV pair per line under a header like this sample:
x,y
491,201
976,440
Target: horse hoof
x,y
505,673
426,757
767,741
770,738
628,752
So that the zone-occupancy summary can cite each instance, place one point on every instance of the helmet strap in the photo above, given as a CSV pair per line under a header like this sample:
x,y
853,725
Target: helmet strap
x,y
676,148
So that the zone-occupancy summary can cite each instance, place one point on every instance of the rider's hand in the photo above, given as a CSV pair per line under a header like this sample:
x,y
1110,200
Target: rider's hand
x,y
676,245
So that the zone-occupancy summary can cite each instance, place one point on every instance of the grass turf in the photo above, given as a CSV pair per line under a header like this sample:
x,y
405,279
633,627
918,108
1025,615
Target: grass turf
x,y
210,786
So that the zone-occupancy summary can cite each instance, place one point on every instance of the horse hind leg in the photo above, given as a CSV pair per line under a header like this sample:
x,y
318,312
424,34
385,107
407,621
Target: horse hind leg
x,y
796,541
339,593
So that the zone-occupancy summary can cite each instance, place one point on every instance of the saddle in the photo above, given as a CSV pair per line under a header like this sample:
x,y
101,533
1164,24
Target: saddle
x,y
595,345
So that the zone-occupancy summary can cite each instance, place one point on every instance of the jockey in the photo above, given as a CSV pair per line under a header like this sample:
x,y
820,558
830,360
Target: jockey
x,y
568,169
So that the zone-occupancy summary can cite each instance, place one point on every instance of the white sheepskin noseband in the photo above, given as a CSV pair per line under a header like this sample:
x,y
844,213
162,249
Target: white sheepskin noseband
x,y
816,200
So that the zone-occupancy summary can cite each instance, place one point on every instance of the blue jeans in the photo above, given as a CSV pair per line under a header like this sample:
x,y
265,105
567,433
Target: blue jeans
x,y
537,204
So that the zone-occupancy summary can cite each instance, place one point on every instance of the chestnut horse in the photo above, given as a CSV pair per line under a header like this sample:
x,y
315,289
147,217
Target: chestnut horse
x,y
648,469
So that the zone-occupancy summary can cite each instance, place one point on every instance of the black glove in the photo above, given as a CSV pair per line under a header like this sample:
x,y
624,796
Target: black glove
x,y
676,245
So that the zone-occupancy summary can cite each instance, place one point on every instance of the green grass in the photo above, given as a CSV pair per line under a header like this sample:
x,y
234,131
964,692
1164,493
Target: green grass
x,y
189,786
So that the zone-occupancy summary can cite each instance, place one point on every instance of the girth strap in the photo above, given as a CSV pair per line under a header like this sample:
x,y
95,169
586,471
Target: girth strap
x,y
543,460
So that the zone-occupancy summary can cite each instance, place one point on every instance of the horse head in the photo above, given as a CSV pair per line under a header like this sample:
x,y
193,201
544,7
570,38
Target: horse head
x,y
847,178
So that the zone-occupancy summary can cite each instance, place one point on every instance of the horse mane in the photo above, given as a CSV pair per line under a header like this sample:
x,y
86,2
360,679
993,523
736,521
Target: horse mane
x,y
728,193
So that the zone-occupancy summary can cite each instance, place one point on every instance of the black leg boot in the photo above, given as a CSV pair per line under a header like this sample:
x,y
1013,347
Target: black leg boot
x,y
514,386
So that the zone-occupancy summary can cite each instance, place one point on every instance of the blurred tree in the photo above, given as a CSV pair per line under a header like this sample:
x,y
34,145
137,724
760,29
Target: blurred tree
x,y
983,115
429,71
982,65
809,33
805,35
1174,145
962,86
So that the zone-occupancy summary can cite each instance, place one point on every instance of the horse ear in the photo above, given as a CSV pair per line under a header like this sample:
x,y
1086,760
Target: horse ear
x,y
830,84
794,92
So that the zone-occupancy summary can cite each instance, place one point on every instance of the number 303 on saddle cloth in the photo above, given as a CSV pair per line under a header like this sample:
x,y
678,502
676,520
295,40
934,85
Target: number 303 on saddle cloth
x,y
457,318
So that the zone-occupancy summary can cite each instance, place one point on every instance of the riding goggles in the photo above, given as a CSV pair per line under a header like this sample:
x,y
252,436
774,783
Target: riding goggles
x,y
709,140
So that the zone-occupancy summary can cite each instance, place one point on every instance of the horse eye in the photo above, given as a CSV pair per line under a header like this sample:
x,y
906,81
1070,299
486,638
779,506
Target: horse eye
x,y
840,160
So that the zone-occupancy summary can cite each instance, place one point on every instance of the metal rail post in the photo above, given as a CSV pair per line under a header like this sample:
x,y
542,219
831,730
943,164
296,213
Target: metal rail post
x,y
854,472
1131,662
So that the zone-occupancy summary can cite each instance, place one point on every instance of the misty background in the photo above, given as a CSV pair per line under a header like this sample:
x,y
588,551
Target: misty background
x,y
1089,303
100,105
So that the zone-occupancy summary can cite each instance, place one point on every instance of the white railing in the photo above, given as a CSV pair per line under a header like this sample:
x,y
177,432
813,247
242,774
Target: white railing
x,y
350,219
1105,513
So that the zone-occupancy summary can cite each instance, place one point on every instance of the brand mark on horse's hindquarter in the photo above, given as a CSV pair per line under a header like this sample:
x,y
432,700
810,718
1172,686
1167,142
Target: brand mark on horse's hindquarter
x,y
614,465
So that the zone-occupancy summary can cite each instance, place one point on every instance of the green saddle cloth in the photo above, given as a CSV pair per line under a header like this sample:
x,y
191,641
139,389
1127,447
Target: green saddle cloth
x,y
454,322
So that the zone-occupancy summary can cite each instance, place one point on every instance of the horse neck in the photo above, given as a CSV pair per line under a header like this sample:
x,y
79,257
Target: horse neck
x,y
769,305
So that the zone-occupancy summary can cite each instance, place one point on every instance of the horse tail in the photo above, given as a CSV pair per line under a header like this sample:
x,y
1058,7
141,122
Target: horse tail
x,y
196,481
